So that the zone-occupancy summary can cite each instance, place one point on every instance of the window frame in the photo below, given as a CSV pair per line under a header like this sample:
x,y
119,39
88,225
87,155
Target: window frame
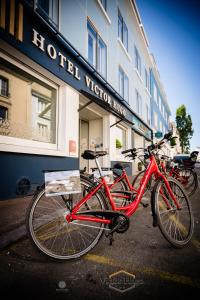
x,y
7,82
138,63
19,145
138,103
96,64
156,119
43,13
148,114
6,109
124,76
124,129
121,32
147,79
105,7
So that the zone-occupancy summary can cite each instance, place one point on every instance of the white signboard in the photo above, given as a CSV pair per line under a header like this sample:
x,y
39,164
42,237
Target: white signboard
x,y
62,182
108,175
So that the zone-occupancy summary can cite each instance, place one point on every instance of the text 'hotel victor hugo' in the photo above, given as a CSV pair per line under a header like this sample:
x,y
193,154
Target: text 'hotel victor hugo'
x,y
74,75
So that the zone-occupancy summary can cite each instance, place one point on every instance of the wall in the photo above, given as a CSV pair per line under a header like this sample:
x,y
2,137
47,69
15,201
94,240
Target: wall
x,y
74,27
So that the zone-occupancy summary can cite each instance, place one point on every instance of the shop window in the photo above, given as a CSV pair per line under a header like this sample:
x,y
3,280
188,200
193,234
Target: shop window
x,y
137,61
32,113
3,86
97,50
122,31
123,84
49,9
120,139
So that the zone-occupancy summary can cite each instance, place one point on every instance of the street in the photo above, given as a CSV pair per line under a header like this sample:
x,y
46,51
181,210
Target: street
x,y
139,264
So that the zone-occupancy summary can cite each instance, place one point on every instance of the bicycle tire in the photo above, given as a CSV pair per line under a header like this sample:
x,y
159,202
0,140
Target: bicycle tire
x,y
137,179
41,235
122,183
179,228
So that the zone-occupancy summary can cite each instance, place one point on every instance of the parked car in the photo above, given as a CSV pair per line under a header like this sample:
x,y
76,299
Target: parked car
x,y
188,160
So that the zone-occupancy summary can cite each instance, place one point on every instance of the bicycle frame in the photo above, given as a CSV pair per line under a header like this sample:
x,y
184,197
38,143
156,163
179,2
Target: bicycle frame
x,y
128,209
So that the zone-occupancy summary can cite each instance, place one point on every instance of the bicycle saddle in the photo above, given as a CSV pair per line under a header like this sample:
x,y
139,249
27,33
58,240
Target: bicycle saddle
x,y
120,166
89,154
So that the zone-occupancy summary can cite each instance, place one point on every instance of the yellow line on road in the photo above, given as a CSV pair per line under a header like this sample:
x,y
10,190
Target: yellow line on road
x,y
185,280
102,260
196,244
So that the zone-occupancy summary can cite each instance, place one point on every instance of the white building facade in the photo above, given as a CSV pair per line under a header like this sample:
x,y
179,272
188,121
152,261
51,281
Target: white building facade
x,y
85,71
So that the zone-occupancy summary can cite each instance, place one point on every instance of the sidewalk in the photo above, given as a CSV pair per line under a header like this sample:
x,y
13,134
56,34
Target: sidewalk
x,y
12,220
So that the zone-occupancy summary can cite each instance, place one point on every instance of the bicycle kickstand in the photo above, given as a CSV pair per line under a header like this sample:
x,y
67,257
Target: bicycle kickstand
x,y
111,239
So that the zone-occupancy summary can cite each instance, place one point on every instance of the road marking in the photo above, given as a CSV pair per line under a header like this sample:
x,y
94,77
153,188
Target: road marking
x,y
196,244
185,280
102,260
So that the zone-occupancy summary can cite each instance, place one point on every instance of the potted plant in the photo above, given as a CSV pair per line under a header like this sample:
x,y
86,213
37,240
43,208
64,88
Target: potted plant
x,y
118,144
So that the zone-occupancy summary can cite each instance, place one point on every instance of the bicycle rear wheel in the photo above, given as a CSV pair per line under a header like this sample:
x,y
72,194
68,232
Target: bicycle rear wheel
x,y
176,225
137,179
53,235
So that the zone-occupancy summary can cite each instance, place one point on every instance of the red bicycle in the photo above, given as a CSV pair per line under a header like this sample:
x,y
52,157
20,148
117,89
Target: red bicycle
x,y
67,227
184,174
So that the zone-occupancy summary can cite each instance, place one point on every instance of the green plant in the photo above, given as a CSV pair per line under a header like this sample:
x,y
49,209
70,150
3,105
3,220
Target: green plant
x,y
172,142
118,144
184,127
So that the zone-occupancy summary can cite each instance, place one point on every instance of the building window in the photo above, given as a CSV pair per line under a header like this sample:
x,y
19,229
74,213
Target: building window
x,y
123,84
122,31
137,61
32,113
162,111
104,4
147,114
121,136
138,103
146,79
155,120
159,102
155,93
97,50
3,86
49,9
3,113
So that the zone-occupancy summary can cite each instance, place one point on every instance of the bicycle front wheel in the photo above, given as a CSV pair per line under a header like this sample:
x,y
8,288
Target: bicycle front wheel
x,y
53,235
175,224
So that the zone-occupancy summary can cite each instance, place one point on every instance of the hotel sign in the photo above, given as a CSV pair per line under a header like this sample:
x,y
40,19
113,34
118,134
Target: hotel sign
x,y
140,127
65,63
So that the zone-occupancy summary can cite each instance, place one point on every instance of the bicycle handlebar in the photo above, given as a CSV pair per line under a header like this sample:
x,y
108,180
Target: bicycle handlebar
x,y
152,147
128,150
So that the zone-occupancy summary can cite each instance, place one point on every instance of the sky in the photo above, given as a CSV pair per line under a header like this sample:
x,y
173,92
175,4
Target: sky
x,y
173,32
